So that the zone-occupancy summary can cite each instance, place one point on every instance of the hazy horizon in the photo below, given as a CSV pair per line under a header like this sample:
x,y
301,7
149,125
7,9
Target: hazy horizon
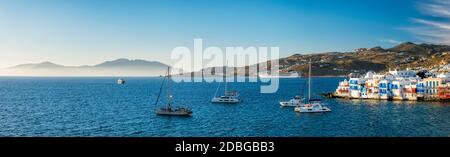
x,y
75,33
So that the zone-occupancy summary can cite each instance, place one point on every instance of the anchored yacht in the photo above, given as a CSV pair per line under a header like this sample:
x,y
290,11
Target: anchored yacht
x,y
313,105
170,110
296,101
229,97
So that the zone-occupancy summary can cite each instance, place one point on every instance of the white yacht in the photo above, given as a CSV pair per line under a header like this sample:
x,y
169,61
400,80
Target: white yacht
x,y
229,97
312,106
296,101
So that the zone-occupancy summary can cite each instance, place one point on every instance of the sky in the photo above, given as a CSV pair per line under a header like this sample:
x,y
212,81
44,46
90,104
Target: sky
x,y
87,32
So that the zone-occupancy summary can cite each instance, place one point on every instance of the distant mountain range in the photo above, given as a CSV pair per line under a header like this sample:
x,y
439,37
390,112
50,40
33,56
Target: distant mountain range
x,y
378,59
119,67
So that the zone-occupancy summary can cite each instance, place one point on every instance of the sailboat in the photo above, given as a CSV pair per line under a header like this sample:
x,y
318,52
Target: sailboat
x,y
229,97
170,110
313,105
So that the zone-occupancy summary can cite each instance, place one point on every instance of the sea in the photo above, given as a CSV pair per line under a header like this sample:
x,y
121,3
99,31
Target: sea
x,y
99,107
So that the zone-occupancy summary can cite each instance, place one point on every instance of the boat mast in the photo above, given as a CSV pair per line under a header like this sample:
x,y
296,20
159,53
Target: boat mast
x,y
169,96
309,81
225,78
217,90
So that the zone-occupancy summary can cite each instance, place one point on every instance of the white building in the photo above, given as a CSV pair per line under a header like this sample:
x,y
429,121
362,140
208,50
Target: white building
x,y
403,74
384,89
397,89
431,86
355,87
444,76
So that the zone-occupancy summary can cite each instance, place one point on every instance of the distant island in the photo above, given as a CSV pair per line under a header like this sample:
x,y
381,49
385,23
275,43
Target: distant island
x,y
119,67
428,57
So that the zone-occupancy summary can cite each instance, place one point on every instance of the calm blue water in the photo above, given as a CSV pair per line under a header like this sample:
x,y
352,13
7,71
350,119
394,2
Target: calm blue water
x,y
99,107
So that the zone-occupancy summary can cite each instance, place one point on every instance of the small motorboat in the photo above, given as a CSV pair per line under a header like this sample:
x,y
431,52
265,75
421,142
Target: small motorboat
x,y
120,81
296,101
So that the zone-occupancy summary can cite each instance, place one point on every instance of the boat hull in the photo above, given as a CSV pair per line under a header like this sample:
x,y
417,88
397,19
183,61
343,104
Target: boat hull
x,y
305,110
311,109
289,104
164,113
174,112
225,101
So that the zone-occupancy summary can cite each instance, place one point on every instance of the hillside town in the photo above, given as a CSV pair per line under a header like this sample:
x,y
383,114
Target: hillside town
x,y
402,56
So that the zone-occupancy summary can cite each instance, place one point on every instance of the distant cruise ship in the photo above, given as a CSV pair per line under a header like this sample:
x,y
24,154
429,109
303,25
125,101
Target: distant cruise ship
x,y
280,75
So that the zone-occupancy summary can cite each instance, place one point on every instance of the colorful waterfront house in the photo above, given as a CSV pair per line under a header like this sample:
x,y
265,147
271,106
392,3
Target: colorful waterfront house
x,y
444,91
355,87
431,86
397,89
410,92
343,89
363,92
372,88
420,89
370,85
384,90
